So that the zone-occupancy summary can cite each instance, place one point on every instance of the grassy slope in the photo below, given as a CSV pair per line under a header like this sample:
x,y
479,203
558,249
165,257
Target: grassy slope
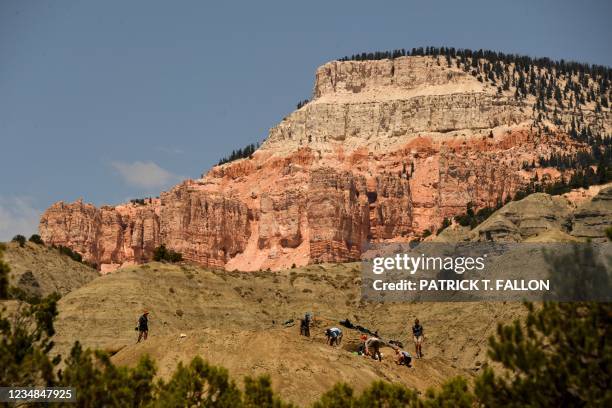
x,y
49,270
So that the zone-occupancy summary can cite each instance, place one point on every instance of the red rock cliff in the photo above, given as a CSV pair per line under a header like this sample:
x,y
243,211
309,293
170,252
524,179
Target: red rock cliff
x,y
386,150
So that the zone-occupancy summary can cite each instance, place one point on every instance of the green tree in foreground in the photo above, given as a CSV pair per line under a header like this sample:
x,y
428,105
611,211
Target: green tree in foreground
x,y
100,383
562,356
25,344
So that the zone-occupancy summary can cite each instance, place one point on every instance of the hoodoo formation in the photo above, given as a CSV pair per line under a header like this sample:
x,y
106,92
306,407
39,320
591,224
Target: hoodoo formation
x,y
386,150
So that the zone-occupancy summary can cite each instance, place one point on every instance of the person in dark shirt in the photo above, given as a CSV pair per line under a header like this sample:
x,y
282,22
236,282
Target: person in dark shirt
x,y
417,334
305,325
143,326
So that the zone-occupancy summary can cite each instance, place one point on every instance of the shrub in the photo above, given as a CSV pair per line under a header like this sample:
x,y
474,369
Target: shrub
x,y
75,256
20,239
445,224
163,254
36,239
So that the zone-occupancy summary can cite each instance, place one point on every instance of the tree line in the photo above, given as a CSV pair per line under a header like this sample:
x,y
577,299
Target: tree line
x,y
241,153
524,61
555,85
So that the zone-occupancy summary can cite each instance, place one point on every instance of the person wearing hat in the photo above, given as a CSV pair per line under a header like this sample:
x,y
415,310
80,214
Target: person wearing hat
x,y
143,326
334,336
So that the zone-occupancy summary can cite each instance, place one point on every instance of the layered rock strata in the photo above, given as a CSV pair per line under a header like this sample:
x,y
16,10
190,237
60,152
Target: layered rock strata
x,y
385,151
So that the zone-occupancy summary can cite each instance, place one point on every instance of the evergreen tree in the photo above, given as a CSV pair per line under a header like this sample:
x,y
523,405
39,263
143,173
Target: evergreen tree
x,y
561,357
25,342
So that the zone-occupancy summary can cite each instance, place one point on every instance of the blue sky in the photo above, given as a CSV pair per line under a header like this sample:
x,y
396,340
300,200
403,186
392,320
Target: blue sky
x,y
109,100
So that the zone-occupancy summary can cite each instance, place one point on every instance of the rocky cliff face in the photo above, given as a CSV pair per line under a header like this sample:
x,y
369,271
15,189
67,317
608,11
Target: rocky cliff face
x,y
385,151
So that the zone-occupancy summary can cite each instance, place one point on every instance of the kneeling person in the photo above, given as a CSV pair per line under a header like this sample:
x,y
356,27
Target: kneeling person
x,y
403,358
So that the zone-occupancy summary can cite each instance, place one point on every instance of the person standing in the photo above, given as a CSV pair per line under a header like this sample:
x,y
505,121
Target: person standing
x,y
305,325
417,334
143,326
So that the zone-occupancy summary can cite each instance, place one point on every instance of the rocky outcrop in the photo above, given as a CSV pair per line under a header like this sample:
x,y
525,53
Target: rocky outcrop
x,y
379,104
205,227
541,217
521,220
104,236
592,218
385,151
338,215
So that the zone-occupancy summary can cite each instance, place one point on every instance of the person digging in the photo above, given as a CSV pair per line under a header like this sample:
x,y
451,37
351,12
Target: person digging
x,y
372,348
403,358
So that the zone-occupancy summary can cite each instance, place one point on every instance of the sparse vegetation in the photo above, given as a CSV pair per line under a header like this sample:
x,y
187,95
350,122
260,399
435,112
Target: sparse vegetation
x,y
557,86
529,75
64,250
472,219
302,103
20,239
163,254
445,224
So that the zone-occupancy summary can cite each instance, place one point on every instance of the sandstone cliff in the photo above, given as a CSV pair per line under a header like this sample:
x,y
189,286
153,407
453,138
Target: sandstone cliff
x,y
385,151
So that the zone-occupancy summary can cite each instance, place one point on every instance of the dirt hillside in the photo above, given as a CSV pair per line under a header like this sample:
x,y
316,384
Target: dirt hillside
x,y
301,368
41,270
238,320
